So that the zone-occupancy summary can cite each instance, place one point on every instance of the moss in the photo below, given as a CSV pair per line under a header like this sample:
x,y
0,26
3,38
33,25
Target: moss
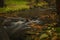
x,y
58,29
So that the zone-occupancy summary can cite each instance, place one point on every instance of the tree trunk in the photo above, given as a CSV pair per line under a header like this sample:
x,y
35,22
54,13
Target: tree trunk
x,y
58,10
1,3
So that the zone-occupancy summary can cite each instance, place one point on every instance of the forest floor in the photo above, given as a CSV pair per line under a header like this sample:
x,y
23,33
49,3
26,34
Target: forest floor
x,y
18,5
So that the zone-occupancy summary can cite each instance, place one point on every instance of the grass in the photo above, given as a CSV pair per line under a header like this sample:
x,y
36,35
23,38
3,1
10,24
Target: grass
x,y
14,5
